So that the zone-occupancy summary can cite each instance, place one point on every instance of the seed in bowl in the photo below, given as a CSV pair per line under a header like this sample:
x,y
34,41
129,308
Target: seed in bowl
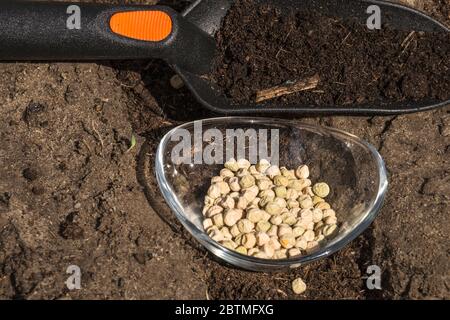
x,y
266,211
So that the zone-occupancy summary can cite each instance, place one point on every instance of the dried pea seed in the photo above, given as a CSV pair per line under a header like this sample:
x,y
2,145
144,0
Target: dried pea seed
x,y
323,206
243,164
273,171
321,189
287,241
280,191
231,217
214,191
302,172
218,220
255,215
232,165
207,223
294,252
276,220
262,166
247,181
281,181
245,225
328,230
263,226
308,235
241,250
214,210
298,286
248,240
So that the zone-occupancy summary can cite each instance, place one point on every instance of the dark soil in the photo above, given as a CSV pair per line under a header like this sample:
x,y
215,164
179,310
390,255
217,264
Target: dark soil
x,y
71,193
260,47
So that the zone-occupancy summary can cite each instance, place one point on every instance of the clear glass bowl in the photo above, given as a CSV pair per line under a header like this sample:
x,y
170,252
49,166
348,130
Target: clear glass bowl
x,y
352,167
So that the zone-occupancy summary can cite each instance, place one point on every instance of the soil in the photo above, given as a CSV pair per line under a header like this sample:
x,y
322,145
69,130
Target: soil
x,y
73,193
261,47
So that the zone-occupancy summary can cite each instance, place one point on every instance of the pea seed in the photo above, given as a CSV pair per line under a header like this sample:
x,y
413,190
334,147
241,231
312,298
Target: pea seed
x,y
272,171
229,244
273,231
290,174
255,215
287,241
281,181
249,240
273,208
227,203
231,217
280,254
262,165
214,210
251,193
216,179
293,252
270,194
280,191
268,250
232,165
234,230
260,255
207,223
308,235
245,225
312,246
317,199
243,164
252,170
275,243
302,172
263,226
247,181
226,173
242,203
264,184
262,238
328,230
298,231
298,286
323,206
252,251
317,215
216,235
218,220
321,189
291,204
276,220
234,184
330,220
284,229
301,244
214,191
329,213
306,202
241,250
292,194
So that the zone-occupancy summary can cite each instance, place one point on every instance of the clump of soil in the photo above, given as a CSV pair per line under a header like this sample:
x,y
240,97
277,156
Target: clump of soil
x,y
260,48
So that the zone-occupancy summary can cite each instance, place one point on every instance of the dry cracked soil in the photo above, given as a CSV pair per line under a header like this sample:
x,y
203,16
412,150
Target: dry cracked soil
x,y
72,193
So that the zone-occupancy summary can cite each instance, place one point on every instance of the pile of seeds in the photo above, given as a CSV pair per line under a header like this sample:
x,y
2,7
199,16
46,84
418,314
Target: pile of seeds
x,y
267,212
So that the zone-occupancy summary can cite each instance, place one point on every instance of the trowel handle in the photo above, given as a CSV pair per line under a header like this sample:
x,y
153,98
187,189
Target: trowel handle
x,y
75,31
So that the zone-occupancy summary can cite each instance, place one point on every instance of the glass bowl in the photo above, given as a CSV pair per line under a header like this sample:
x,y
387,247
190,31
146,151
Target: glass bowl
x,y
352,167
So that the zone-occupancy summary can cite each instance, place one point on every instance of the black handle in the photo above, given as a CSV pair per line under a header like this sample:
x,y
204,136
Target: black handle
x,y
76,31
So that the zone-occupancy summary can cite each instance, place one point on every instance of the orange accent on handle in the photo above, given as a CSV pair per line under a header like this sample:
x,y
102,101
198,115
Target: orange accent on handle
x,y
142,25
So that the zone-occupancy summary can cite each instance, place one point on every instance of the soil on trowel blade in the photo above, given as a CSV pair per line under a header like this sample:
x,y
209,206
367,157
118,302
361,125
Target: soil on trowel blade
x,y
260,48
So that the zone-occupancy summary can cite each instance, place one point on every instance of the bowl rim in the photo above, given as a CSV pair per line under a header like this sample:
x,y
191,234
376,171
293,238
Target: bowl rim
x,y
259,264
